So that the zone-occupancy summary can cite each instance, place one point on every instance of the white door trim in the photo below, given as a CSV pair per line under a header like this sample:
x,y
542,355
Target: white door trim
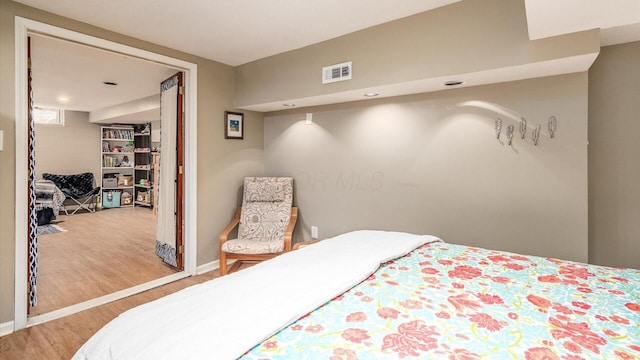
x,y
22,28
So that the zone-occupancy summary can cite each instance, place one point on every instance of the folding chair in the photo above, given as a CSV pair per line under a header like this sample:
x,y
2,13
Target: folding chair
x,y
78,187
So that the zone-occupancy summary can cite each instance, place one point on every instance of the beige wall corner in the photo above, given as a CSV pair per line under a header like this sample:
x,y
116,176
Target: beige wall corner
x,y
614,148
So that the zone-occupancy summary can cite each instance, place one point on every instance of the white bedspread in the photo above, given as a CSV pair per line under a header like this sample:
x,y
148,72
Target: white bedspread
x,y
223,318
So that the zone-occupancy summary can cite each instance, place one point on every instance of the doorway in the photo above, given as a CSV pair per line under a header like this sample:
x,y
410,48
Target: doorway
x,y
23,28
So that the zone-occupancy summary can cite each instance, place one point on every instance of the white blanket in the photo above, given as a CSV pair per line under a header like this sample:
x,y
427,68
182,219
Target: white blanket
x,y
225,317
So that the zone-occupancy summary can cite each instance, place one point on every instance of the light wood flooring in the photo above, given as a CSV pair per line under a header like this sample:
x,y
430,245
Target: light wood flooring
x,y
61,338
100,253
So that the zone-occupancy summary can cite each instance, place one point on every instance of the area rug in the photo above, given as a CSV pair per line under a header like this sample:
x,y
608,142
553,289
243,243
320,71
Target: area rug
x,y
50,229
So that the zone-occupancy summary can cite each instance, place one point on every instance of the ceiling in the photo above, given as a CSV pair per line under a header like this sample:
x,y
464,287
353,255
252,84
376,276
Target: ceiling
x,y
72,76
241,31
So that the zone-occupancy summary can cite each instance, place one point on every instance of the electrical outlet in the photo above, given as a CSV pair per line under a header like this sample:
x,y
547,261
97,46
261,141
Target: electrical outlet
x,y
314,232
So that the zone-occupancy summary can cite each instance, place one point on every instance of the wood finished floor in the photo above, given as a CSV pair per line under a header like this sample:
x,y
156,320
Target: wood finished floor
x,y
61,338
100,253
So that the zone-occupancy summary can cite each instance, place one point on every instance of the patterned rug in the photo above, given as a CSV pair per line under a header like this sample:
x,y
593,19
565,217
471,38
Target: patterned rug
x,y
50,229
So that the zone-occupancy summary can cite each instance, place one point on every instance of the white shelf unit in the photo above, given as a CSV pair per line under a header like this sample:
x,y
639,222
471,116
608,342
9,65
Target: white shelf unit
x,y
143,169
117,160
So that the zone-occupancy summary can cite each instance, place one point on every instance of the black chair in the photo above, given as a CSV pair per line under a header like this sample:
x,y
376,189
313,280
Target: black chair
x,y
79,188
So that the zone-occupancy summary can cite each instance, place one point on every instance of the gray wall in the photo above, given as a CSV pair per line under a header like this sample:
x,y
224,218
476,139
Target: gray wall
x,y
426,164
614,152
70,149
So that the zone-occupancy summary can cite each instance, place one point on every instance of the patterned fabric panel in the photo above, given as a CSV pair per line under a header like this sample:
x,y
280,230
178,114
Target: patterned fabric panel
x,y
262,219
33,214
167,253
76,186
446,301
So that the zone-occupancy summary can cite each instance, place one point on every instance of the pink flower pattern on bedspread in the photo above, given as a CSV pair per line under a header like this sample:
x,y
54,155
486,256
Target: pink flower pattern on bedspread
x,y
445,301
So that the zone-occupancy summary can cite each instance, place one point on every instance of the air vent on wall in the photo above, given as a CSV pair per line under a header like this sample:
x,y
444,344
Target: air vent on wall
x,y
338,72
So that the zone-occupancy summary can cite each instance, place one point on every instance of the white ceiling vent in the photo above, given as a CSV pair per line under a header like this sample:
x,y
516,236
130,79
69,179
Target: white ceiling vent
x,y
338,72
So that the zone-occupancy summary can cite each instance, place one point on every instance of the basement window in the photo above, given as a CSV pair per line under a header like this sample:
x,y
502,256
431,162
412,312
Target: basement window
x,y
48,116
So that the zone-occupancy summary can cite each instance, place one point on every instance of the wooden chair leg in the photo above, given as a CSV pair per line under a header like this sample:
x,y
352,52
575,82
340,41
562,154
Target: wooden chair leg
x,y
223,263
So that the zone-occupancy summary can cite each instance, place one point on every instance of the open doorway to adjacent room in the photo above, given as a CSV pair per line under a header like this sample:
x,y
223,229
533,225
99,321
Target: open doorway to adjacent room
x,y
107,249
96,112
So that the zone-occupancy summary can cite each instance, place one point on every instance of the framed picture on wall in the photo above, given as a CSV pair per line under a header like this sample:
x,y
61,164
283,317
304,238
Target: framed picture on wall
x,y
233,125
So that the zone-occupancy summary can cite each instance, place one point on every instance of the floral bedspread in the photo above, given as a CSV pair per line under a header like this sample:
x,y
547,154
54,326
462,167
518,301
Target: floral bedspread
x,y
445,301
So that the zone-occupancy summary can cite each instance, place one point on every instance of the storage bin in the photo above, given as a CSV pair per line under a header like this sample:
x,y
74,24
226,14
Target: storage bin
x,y
142,196
109,182
126,198
111,199
125,180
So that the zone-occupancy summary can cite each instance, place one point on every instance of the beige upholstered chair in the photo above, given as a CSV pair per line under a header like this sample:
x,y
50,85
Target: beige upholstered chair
x,y
265,222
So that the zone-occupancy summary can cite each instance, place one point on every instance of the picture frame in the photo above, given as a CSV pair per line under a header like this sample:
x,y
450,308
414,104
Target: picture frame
x,y
233,125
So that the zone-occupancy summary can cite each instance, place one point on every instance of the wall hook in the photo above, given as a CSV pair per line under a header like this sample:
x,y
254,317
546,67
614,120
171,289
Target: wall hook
x,y
535,135
553,125
498,127
523,127
510,129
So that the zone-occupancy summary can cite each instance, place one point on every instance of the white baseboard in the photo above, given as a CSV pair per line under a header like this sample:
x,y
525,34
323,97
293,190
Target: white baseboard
x,y
205,268
6,328
214,265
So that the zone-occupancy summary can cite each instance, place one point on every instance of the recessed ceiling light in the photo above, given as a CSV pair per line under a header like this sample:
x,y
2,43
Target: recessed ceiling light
x,y
453,83
289,105
110,83
63,99
372,94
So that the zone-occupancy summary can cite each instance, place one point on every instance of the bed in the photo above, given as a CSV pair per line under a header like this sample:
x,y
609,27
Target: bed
x,y
375,294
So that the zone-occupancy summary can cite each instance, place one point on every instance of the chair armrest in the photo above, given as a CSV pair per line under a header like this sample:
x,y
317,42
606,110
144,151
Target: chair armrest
x,y
304,243
289,231
234,222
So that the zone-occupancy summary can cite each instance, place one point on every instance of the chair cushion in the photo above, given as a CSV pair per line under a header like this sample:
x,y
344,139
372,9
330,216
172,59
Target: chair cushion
x,y
264,216
240,246
264,192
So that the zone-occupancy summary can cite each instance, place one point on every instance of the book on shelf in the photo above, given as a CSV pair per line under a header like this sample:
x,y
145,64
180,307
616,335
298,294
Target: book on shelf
x,y
110,161
117,134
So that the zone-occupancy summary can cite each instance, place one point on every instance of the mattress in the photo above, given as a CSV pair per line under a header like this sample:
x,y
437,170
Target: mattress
x,y
374,294
446,301
225,317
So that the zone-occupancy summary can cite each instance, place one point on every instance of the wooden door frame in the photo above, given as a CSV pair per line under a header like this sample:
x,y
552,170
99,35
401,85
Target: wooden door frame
x,y
23,27
180,175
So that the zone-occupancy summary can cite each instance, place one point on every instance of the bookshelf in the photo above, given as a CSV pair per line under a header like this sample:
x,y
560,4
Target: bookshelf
x,y
143,168
117,166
